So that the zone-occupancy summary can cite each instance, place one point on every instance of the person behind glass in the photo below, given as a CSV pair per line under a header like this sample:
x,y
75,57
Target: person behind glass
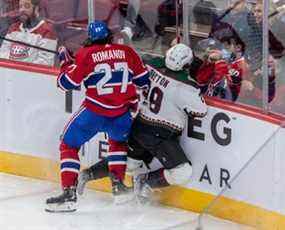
x,y
131,16
8,15
254,52
209,68
238,69
31,29
111,74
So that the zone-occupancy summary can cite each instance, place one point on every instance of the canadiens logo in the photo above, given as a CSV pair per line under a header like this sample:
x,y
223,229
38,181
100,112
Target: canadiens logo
x,y
19,51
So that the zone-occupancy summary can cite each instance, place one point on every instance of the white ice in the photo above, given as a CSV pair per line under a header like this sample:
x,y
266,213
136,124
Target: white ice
x,y
22,203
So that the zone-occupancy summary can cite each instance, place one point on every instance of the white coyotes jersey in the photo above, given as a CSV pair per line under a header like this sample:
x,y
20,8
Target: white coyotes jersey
x,y
168,99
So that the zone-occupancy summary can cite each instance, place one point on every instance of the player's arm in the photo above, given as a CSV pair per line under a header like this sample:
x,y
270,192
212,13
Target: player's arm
x,y
191,101
140,72
71,70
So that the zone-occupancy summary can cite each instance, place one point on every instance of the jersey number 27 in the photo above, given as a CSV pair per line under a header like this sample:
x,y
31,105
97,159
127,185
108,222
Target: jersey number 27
x,y
102,85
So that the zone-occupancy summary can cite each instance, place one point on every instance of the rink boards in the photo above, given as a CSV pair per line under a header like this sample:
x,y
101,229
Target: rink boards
x,y
33,116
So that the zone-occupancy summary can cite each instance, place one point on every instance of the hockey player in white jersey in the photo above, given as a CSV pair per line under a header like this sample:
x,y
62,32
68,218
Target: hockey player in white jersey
x,y
159,124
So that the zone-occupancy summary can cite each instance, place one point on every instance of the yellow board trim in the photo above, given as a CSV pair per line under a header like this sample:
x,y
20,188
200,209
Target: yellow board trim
x,y
196,201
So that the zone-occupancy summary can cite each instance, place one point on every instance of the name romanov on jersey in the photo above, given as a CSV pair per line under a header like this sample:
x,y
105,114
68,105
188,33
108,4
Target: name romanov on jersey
x,y
108,55
156,77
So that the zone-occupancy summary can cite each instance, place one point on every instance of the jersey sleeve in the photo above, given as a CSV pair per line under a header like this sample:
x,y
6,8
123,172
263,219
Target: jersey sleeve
x,y
72,75
140,72
190,101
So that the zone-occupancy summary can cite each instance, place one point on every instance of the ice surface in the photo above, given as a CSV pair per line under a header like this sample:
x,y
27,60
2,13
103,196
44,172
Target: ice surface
x,y
22,203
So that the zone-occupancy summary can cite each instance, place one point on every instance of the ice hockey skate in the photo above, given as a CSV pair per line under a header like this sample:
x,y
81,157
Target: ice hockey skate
x,y
142,190
66,202
122,194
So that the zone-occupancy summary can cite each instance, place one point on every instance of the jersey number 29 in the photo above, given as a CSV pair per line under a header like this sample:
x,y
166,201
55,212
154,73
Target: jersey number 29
x,y
155,99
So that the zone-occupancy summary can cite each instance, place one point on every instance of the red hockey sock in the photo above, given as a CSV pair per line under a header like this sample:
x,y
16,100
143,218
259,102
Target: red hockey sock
x,y
117,158
69,165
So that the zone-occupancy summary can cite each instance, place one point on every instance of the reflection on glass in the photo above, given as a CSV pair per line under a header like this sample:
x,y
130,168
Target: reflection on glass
x,y
32,29
238,26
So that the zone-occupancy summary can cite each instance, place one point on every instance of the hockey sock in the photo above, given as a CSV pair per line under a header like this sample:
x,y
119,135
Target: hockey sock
x,y
156,179
117,158
69,165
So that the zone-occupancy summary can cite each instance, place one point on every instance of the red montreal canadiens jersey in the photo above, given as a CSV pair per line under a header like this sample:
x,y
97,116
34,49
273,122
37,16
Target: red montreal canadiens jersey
x,y
110,74
210,75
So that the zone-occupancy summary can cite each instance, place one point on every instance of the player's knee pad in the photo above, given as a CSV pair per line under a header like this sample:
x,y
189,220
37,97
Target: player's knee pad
x,y
179,175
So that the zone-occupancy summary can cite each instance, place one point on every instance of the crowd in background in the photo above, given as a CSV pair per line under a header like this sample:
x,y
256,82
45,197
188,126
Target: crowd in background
x,y
234,28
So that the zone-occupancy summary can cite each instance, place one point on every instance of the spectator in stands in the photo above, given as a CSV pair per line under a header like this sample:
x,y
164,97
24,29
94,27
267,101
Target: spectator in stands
x,y
254,52
209,68
254,46
31,29
8,15
143,19
243,84
246,23
238,69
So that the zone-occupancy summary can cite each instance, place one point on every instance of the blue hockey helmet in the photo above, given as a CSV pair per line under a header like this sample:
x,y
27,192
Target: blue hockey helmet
x,y
98,30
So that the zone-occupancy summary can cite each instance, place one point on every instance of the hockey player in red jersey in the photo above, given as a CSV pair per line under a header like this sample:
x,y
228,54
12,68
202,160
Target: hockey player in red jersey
x,y
156,130
111,73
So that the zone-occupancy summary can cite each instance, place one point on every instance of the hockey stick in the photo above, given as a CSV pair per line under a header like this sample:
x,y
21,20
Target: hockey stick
x,y
29,45
278,10
229,10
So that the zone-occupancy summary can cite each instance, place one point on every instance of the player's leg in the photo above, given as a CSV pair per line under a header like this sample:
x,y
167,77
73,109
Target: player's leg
x,y
136,157
163,144
118,130
81,128
177,169
95,172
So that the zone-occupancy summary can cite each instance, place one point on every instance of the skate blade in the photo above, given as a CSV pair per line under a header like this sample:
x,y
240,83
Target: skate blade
x,y
66,207
123,198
